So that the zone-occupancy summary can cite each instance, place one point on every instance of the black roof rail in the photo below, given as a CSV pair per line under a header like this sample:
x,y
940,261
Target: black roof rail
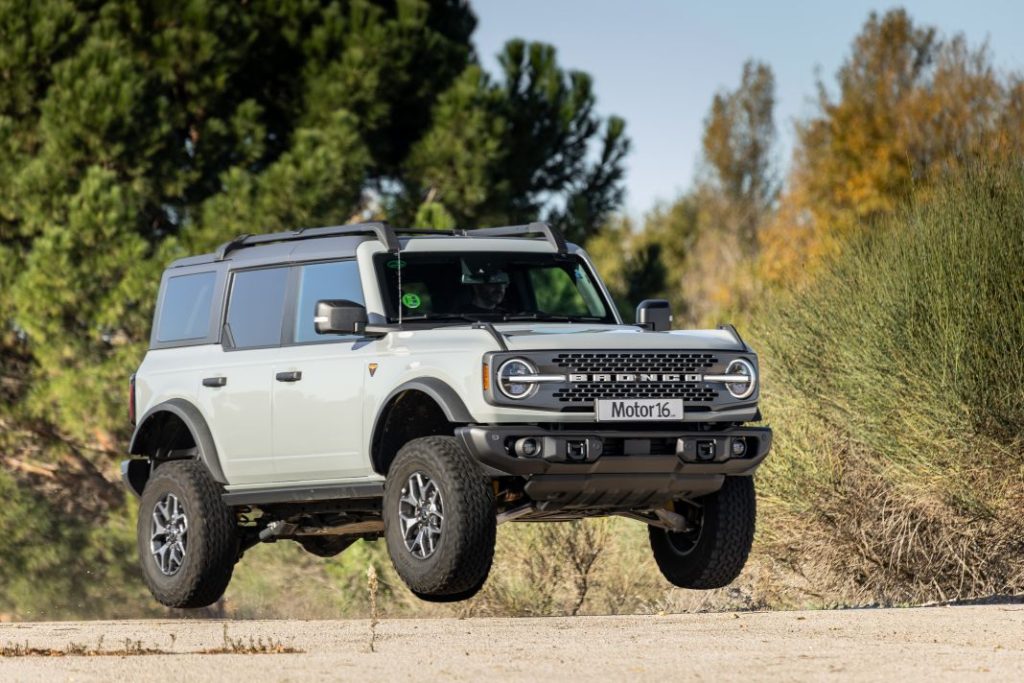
x,y
383,232
426,231
389,236
551,234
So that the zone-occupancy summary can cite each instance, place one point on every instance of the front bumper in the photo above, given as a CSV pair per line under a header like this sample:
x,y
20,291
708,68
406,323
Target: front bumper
x,y
616,469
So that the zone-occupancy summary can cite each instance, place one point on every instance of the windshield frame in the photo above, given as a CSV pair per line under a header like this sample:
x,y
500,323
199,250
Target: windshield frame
x,y
611,316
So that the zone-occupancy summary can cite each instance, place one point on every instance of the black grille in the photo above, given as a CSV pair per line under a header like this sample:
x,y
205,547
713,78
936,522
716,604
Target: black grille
x,y
580,392
650,362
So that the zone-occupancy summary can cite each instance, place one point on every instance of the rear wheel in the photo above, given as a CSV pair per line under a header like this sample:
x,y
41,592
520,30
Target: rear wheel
x,y
187,536
439,519
712,552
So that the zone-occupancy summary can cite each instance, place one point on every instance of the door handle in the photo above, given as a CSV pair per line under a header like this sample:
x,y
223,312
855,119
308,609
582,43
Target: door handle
x,y
215,381
290,376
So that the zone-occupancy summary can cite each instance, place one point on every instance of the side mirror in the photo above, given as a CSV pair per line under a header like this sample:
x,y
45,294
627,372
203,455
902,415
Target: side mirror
x,y
339,316
654,314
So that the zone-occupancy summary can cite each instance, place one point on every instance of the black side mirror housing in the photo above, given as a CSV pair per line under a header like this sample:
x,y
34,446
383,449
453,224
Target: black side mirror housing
x,y
654,314
339,316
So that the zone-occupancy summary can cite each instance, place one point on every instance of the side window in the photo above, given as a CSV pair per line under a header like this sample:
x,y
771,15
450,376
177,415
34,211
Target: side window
x,y
256,307
319,281
185,312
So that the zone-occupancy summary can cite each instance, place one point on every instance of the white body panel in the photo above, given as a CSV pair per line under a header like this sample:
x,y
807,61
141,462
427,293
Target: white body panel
x,y
317,432
319,429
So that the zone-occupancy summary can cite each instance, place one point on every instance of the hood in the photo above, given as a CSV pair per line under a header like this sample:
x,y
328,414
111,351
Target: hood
x,y
541,336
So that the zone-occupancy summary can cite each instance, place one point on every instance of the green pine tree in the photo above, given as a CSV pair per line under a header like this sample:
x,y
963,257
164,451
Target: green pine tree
x,y
132,133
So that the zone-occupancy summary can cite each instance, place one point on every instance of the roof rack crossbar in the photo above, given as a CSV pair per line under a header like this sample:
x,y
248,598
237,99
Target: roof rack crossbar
x,y
425,231
553,235
381,230
388,236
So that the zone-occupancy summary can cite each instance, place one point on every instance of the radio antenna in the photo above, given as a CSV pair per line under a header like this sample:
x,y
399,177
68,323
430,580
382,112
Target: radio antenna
x,y
398,254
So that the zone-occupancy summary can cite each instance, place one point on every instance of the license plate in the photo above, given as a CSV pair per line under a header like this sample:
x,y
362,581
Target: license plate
x,y
632,409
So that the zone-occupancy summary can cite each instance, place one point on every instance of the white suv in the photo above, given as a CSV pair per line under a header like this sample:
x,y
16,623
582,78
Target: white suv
x,y
331,384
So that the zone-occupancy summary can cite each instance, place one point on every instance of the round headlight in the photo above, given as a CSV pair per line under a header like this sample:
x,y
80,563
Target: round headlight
x,y
741,389
507,374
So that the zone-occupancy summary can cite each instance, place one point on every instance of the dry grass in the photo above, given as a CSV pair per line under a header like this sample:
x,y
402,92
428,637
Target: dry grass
x,y
372,587
249,646
896,475
134,648
130,648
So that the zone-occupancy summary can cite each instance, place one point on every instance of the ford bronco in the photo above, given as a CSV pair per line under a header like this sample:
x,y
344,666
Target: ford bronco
x,y
356,382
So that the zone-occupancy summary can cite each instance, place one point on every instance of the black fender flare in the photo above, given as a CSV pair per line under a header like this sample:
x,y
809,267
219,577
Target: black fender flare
x,y
196,423
447,399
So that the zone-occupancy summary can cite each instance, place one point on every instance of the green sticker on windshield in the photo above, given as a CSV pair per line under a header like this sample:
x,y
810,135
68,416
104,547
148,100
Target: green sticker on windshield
x,y
395,264
410,300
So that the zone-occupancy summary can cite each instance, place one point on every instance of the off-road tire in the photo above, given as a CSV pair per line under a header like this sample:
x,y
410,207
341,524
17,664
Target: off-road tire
x,y
212,547
453,597
721,549
462,558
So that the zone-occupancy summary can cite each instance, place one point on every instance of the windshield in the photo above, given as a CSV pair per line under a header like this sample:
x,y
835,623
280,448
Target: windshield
x,y
490,287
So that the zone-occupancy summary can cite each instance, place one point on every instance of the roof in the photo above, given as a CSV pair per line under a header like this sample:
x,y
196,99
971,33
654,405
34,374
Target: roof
x,y
340,241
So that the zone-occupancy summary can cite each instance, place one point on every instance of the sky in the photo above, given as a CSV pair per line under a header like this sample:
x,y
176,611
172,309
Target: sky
x,y
658,63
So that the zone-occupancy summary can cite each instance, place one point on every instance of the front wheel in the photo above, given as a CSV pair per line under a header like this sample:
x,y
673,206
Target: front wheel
x,y
712,553
439,519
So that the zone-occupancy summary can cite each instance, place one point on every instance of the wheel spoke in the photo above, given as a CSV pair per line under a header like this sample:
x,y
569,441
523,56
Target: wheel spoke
x,y
421,536
429,538
177,555
406,523
160,513
163,559
159,528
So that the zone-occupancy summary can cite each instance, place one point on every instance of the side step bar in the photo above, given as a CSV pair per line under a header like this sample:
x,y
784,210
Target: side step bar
x,y
304,494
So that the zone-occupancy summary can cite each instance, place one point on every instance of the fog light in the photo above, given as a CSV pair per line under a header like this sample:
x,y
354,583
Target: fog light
x,y
739,448
527,447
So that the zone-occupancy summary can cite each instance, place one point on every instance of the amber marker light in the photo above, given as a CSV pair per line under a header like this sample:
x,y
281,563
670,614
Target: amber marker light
x,y
487,376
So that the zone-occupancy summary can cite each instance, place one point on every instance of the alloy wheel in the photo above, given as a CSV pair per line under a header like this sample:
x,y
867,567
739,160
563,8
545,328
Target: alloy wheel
x,y
169,534
421,513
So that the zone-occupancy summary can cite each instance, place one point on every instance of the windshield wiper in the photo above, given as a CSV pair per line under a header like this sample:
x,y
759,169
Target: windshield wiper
x,y
548,317
441,317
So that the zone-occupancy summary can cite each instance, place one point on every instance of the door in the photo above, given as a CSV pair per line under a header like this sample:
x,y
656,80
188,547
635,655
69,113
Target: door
x,y
318,384
237,388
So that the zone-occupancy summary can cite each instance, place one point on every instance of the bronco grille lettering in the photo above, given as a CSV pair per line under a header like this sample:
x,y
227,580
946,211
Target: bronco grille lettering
x,y
643,377
650,374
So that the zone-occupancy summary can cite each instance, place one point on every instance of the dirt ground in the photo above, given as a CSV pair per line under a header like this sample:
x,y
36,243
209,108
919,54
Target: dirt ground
x,y
933,643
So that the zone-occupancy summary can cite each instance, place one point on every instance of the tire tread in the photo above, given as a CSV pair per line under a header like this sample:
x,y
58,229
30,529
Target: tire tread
x,y
723,549
212,550
470,524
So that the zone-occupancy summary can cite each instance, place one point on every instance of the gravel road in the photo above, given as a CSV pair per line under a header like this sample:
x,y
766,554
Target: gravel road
x,y
934,643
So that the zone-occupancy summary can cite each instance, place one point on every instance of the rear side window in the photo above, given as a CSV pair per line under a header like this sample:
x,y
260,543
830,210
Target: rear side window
x,y
185,313
323,281
256,307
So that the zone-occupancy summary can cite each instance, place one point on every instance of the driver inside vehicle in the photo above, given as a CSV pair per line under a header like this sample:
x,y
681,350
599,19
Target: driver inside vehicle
x,y
488,296
489,286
